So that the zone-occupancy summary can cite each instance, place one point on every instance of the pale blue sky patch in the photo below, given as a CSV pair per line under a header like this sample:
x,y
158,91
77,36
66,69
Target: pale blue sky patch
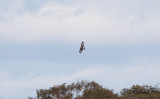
x,y
40,41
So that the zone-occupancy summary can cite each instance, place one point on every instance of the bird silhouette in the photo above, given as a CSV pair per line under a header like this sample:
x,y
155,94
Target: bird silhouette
x,y
82,47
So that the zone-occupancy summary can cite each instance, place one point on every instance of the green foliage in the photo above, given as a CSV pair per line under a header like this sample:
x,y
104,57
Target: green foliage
x,y
79,90
92,90
141,92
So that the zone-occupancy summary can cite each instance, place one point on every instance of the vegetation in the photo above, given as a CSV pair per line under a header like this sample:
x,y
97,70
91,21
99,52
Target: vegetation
x,y
92,90
140,92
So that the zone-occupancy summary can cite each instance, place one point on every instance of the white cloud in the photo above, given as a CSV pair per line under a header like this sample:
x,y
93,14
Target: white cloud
x,y
112,77
95,23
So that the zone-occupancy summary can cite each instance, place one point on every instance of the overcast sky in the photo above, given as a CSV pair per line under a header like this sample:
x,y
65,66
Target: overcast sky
x,y
40,40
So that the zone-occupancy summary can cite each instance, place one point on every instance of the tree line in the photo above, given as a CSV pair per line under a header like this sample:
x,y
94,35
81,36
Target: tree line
x,y
93,90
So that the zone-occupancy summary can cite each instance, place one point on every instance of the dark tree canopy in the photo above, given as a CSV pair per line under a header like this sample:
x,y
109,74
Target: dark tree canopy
x,y
92,90
79,90
140,92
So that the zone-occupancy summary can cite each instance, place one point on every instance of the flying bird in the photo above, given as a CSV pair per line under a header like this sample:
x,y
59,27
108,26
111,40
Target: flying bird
x,y
82,47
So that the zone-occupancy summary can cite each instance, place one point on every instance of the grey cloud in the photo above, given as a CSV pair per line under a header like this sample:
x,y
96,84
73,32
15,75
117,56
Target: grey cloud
x,y
111,22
